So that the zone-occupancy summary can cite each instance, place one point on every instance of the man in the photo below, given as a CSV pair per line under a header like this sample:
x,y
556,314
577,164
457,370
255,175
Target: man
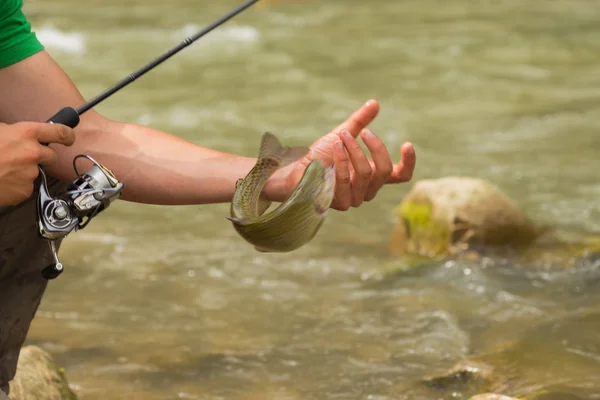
x,y
155,167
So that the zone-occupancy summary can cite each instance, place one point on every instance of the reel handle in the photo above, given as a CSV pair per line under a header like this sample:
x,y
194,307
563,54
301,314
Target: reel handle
x,y
52,271
67,116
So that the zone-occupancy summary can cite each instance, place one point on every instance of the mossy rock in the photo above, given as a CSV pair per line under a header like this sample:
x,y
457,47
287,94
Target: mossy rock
x,y
39,378
445,216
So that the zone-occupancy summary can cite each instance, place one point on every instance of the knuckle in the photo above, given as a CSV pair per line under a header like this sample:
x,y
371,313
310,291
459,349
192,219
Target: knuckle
x,y
65,135
30,172
358,120
408,174
387,169
33,153
370,195
26,191
355,146
365,172
342,203
49,158
26,129
356,202
344,179
377,145
342,155
61,134
344,206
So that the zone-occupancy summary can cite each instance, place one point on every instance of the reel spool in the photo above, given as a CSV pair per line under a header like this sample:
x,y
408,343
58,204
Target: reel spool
x,y
90,194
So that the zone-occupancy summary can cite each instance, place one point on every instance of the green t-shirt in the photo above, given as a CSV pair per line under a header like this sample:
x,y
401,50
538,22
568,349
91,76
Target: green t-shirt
x,y
17,40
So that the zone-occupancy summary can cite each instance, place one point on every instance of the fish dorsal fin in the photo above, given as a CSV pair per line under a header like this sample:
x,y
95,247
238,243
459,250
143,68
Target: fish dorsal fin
x,y
270,147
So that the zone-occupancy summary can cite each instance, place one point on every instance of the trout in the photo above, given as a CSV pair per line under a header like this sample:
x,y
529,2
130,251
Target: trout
x,y
294,222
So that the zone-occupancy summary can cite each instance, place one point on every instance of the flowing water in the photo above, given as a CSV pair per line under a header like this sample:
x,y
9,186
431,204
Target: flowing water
x,y
169,303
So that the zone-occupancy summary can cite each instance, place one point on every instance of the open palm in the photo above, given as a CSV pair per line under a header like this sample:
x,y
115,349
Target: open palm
x,y
358,179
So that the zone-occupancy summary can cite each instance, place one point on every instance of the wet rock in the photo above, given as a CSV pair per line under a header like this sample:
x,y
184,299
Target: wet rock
x,y
492,396
560,251
466,376
452,214
39,378
558,359
552,395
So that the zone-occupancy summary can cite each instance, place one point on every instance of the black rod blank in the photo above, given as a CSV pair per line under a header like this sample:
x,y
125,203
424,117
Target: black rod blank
x,y
70,117
133,76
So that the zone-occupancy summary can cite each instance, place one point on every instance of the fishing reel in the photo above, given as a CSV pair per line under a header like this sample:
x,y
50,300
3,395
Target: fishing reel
x,y
91,193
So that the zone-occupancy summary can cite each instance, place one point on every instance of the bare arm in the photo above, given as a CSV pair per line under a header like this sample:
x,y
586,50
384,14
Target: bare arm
x,y
159,168
155,167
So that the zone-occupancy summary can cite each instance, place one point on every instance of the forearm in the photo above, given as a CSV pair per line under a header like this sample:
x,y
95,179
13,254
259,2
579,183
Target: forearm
x,y
156,167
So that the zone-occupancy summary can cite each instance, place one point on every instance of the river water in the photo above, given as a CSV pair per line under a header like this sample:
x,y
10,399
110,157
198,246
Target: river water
x,y
169,303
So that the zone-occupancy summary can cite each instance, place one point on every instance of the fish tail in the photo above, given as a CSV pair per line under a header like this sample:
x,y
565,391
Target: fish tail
x,y
270,147
237,221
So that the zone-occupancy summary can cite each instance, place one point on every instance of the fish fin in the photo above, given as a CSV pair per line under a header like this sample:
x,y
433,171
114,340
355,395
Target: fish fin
x,y
262,249
239,182
320,209
271,147
237,221
262,205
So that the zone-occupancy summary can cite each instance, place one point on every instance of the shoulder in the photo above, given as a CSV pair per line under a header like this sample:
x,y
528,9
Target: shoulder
x,y
17,40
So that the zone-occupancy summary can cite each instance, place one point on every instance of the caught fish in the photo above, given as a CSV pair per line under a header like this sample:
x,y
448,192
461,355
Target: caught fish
x,y
294,222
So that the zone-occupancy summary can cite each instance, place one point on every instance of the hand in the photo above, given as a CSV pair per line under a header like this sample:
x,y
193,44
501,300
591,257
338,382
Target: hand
x,y
358,179
22,151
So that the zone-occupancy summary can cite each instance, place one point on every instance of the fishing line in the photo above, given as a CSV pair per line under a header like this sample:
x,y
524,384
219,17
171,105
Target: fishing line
x,y
70,116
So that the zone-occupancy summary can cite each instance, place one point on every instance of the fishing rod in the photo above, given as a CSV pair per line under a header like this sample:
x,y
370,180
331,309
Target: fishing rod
x,y
93,191
70,116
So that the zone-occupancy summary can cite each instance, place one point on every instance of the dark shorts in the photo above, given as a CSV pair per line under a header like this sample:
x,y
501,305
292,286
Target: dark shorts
x,y
23,254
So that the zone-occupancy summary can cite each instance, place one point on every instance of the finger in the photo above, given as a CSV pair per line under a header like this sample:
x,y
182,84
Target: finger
x,y
47,156
360,118
362,169
342,177
55,133
381,161
403,171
